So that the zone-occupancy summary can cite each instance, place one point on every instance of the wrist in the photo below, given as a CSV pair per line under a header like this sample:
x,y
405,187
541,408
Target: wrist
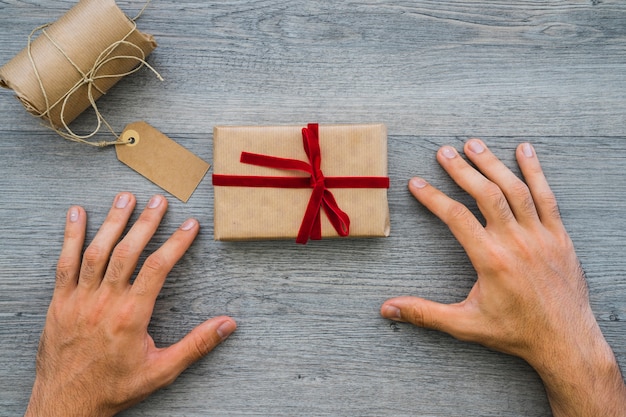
x,y
582,377
56,400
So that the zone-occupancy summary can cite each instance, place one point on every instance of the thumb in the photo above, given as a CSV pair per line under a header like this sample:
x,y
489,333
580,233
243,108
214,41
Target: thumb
x,y
195,345
448,318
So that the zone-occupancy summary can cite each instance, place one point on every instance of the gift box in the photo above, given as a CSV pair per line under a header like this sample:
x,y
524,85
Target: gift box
x,y
283,182
75,60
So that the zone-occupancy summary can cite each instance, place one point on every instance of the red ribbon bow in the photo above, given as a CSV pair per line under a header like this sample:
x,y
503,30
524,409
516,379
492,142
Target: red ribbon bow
x,y
321,197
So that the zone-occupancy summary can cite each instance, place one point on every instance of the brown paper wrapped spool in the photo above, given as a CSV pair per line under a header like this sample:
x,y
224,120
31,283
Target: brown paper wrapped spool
x,y
74,61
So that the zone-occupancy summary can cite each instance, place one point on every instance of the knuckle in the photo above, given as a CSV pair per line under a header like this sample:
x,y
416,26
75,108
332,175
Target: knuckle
x,y
155,263
521,193
200,347
458,211
497,202
94,255
422,316
492,191
563,242
123,254
502,209
555,212
94,258
64,271
63,278
115,271
548,200
71,233
147,220
140,286
519,189
123,251
126,317
528,205
459,215
154,268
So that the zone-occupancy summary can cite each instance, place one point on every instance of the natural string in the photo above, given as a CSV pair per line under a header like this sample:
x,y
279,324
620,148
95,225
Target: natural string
x,y
88,79
145,6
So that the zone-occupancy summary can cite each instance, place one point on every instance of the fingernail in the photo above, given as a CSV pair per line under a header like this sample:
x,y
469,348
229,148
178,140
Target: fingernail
x,y
226,329
155,202
122,201
448,152
74,214
391,312
188,225
527,149
476,147
418,183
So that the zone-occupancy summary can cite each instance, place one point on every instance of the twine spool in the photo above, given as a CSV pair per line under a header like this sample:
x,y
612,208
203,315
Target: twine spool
x,y
74,61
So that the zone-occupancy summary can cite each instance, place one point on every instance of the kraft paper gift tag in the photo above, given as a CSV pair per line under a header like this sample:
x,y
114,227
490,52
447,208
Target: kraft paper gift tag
x,y
161,160
83,54
250,213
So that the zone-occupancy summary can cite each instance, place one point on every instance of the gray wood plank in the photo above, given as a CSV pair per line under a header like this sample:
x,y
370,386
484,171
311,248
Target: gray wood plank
x,y
310,340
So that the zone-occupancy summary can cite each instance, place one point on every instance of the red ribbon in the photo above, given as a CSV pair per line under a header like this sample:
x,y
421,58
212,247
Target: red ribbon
x,y
321,197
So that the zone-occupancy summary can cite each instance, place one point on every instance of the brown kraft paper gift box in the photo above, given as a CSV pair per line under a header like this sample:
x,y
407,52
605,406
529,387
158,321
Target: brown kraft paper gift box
x,y
86,51
255,213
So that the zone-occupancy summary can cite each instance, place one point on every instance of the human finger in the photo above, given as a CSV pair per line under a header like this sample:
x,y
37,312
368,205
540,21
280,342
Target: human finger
x,y
459,219
173,360
449,318
68,266
96,256
126,253
152,275
515,190
491,201
545,201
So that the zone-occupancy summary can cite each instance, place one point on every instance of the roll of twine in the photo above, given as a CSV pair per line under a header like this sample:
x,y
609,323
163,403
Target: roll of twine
x,y
88,79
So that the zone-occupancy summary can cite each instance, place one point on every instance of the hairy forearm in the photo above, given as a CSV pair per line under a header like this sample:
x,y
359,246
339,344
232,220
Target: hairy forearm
x,y
52,400
586,383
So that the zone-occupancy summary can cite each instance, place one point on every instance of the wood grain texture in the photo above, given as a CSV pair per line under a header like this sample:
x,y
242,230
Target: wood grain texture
x,y
310,341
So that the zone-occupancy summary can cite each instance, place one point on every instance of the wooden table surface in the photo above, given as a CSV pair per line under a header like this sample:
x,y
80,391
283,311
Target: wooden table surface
x,y
310,340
